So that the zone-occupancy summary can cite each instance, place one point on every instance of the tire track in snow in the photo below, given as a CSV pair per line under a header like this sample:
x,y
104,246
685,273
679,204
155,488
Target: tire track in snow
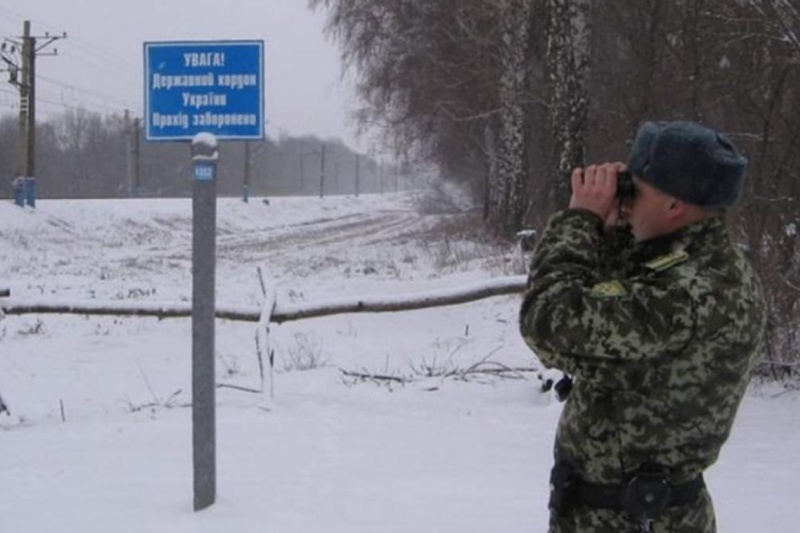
x,y
370,228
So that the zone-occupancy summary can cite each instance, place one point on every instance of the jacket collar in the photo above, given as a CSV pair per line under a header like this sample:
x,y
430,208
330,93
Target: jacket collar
x,y
692,238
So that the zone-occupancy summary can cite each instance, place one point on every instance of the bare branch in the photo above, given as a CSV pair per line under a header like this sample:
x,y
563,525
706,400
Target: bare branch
x,y
282,312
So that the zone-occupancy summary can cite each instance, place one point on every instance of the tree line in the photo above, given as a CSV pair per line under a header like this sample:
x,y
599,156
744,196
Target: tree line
x,y
84,154
507,96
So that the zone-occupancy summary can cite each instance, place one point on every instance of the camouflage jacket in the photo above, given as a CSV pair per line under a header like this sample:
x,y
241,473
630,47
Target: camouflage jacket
x,y
661,353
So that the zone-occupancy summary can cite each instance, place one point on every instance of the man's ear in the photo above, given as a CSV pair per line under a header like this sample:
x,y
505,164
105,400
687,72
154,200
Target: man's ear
x,y
675,208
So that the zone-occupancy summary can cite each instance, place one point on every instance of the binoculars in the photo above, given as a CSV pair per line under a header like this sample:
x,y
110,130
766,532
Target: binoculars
x,y
625,189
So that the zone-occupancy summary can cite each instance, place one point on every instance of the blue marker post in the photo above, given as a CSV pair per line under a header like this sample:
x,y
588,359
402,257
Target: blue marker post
x,y
18,191
205,153
30,191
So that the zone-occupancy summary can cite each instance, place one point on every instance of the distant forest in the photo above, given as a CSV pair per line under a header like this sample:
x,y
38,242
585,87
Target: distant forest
x,y
84,154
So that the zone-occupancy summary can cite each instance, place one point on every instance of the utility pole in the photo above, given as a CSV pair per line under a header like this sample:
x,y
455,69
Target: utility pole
x,y
247,172
132,130
302,173
358,166
22,72
27,102
129,159
322,172
137,185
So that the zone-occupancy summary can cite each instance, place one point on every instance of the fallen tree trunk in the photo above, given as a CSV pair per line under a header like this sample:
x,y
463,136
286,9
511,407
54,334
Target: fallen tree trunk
x,y
282,312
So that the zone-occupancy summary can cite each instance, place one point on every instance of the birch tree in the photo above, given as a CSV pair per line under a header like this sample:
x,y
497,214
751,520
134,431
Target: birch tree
x,y
425,71
507,190
448,80
568,61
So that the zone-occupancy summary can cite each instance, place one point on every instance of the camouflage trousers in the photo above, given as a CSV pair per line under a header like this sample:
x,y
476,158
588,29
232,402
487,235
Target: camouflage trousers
x,y
695,518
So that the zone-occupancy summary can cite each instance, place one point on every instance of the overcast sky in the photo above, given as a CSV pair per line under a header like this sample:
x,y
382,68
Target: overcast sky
x,y
99,65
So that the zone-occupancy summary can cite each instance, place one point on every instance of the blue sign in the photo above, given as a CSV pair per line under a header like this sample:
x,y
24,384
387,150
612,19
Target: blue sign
x,y
204,171
204,86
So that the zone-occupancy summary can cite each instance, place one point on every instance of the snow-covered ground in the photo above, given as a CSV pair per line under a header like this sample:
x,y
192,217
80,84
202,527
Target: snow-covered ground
x,y
99,437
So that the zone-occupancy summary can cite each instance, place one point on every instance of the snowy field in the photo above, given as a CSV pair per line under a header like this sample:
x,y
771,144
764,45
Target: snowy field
x,y
99,436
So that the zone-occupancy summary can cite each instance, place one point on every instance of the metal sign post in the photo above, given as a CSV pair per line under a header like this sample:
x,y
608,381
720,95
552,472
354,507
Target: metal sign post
x,y
205,152
204,91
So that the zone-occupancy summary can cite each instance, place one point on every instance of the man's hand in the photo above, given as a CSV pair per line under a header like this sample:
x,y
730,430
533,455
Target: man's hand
x,y
595,188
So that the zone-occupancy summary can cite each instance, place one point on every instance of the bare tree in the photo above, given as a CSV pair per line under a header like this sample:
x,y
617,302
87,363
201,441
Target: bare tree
x,y
783,16
508,189
568,60
448,81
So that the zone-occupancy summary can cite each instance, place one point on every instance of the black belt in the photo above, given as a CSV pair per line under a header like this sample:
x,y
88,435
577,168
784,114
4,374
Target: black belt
x,y
644,496
642,489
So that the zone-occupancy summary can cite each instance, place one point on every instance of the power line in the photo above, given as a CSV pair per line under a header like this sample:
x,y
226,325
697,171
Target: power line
x,y
20,17
57,103
98,61
76,41
104,55
104,97
8,98
88,53
59,96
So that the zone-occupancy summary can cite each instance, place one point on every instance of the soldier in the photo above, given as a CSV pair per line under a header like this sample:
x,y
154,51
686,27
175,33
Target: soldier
x,y
660,349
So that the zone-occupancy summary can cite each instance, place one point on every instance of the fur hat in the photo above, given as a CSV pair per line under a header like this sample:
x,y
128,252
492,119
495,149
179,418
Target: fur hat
x,y
690,162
